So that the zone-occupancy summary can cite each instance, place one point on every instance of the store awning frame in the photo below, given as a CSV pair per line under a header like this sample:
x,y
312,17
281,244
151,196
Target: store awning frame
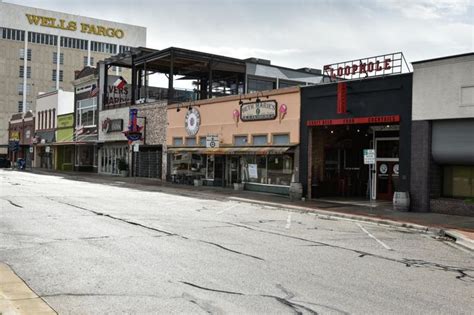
x,y
232,150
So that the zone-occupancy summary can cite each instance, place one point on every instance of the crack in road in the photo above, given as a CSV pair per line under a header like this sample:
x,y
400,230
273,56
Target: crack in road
x,y
155,229
462,272
295,307
14,204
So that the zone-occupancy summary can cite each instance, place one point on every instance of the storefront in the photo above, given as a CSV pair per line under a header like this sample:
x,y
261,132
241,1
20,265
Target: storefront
x,y
113,145
356,132
248,142
443,135
64,145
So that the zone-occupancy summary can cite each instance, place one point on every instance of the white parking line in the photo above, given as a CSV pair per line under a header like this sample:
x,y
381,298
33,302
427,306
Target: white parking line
x,y
227,209
288,221
379,241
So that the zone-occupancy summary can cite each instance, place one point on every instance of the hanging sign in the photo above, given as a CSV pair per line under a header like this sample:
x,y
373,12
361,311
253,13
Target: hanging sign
x,y
134,130
263,110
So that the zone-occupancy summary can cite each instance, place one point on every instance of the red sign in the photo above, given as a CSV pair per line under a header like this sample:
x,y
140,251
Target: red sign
x,y
341,98
366,67
355,120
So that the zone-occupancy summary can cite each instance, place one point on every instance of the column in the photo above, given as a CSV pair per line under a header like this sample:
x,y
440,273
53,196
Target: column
x,y
58,51
25,67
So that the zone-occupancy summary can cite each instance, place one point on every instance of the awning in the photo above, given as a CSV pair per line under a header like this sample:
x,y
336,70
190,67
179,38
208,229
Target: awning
x,y
231,150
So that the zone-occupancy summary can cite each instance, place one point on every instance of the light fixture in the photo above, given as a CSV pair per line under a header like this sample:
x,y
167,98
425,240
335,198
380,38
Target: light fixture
x,y
190,107
332,131
358,130
240,101
178,109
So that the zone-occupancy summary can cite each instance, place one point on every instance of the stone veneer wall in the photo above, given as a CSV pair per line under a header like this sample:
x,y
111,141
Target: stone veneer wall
x,y
156,126
452,206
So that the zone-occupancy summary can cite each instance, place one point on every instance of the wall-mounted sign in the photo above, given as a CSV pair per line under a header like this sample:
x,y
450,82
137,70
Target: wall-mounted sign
x,y
366,67
253,171
212,141
66,121
73,26
355,120
264,110
117,96
192,121
369,156
14,136
112,125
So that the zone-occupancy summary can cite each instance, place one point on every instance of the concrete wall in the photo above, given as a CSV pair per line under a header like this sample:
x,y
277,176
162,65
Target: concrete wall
x,y
444,89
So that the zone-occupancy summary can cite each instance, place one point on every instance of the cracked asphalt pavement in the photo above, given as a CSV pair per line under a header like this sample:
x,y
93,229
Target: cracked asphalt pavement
x,y
97,248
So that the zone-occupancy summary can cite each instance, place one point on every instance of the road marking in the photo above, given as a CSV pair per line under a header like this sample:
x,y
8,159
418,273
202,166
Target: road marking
x,y
288,221
227,209
379,241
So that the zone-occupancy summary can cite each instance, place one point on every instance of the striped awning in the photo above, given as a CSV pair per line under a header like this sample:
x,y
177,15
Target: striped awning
x,y
231,150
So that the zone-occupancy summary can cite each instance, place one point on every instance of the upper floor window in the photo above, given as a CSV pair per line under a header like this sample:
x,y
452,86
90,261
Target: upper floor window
x,y
240,140
281,139
259,140
22,54
257,84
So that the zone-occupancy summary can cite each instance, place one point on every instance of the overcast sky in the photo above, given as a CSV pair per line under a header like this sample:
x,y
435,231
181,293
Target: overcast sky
x,y
292,33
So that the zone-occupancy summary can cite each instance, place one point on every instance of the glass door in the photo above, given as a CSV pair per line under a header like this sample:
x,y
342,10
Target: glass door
x,y
386,167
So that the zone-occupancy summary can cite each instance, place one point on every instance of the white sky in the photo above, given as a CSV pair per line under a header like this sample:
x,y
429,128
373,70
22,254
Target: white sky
x,y
292,33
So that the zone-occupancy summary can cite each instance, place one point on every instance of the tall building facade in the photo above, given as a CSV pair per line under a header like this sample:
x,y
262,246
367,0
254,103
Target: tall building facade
x,y
42,49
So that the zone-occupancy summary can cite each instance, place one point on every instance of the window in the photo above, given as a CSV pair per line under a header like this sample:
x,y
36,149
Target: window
x,y
284,83
55,58
20,89
92,61
60,75
8,33
85,61
259,140
86,111
28,72
281,139
22,54
255,85
202,141
45,39
240,140
20,106
191,141
458,181
177,141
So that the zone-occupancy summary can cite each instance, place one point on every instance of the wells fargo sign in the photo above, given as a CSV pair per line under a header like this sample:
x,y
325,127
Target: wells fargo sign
x,y
264,110
74,26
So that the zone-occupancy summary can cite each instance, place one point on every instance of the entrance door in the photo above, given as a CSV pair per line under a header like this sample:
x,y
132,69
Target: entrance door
x,y
233,170
387,179
219,170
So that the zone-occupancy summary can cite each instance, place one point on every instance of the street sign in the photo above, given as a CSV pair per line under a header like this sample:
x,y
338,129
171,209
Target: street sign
x,y
212,141
31,149
136,147
369,156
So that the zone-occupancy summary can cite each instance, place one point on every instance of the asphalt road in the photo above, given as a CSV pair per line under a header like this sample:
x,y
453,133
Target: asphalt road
x,y
90,248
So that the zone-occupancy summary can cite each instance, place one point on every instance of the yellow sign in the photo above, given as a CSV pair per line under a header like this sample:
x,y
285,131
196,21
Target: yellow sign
x,y
66,121
14,136
72,26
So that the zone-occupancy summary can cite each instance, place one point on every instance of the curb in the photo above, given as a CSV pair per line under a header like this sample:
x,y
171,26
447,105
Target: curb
x,y
345,216
461,240
17,298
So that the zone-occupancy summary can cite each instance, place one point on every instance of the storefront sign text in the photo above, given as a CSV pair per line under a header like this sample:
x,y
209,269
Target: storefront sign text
x,y
112,125
355,120
117,96
366,67
73,26
66,121
265,110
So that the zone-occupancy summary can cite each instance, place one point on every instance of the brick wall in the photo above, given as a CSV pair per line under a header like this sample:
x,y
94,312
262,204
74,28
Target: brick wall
x,y
420,166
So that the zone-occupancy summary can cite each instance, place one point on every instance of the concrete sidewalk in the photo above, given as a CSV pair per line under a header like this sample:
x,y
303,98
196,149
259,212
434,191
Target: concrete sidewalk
x,y
460,228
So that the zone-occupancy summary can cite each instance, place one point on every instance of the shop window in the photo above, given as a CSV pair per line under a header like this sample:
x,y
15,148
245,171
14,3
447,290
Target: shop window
x,y
259,140
279,169
387,148
240,140
191,141
458,181
177,141
281,139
